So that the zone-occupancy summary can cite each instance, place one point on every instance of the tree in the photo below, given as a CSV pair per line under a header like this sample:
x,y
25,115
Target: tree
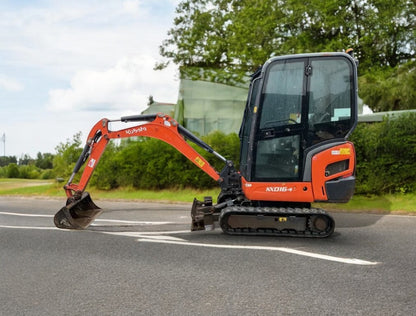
x,y
198,40
44,161
5,160
67,155
244,33
390,89
224,40
25,160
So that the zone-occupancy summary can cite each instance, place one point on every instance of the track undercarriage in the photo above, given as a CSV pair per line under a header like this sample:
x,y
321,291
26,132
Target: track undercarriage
x,y
80,212
262,221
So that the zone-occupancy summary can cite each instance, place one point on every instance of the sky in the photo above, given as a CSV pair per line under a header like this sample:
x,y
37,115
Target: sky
x,y
64,65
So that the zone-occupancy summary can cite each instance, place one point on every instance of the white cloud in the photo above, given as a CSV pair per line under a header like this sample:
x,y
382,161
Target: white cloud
x,y
10,84
66,35
132,6
78,61
126,86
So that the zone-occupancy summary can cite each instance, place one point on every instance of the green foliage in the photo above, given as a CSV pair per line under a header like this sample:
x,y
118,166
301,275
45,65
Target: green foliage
x,y
237,36
67,155
28,172
224,40
153,164
44,161
12,171
390,89
46,174
226,145
104,174
27,168
25,160
5,160
386,155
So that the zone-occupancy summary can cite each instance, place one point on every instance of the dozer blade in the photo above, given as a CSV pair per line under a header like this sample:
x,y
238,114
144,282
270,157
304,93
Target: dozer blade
x,y
78,214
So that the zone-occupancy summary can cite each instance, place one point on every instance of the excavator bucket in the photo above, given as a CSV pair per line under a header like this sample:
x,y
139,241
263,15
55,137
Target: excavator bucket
x,y
78,214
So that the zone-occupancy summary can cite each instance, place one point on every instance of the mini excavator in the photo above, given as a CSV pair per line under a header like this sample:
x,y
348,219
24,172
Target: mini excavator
x,y
294,151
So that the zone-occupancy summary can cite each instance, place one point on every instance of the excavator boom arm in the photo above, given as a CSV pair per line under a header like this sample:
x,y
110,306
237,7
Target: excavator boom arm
x,y
158,126
80,210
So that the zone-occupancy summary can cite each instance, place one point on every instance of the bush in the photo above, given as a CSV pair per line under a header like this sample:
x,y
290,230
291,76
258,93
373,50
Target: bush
x,y
28,168
386,159
152,164
47,174
66,157
3,172
12,171
386,155
29,172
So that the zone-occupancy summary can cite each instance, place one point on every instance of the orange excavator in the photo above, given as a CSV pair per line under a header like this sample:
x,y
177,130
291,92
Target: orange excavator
x,y
294,151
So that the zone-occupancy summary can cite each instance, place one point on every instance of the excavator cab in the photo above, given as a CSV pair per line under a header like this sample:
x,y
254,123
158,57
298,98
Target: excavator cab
x,y
299,106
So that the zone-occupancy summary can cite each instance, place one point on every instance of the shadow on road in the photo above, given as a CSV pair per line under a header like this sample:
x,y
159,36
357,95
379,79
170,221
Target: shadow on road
x,y
345,220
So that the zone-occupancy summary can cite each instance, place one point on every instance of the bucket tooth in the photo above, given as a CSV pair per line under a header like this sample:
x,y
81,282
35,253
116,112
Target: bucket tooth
x,y
78,214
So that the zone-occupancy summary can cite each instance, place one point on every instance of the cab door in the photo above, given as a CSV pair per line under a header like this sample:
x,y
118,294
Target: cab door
x,y
280,130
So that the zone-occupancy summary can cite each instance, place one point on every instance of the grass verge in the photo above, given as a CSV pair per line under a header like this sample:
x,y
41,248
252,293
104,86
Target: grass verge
x,y
48,188
392,203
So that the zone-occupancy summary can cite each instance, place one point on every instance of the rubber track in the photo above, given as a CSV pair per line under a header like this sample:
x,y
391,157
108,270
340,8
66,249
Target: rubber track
x,y
270,211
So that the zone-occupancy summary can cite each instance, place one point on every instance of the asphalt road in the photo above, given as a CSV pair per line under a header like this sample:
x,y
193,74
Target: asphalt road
x,y
140,259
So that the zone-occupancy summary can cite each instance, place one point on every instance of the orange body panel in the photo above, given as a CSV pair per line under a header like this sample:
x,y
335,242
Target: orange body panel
x,y
304,191
321,160
275,191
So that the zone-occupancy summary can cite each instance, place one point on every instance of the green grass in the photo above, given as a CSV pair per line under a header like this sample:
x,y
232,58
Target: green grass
x,y
24,187
393,203
29,187
185,195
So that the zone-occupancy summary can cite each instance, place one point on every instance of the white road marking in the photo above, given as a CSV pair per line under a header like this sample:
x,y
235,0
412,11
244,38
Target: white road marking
x,y
153,236
160,237
33,227
281,249
129,222
157,237
147,234
97,220
25,215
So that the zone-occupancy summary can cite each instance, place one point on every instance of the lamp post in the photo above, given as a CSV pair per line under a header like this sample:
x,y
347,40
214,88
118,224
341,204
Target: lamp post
x,y
3,139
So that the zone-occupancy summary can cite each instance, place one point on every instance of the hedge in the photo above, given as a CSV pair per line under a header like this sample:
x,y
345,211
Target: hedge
x,y
386,155
386,161
152,164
